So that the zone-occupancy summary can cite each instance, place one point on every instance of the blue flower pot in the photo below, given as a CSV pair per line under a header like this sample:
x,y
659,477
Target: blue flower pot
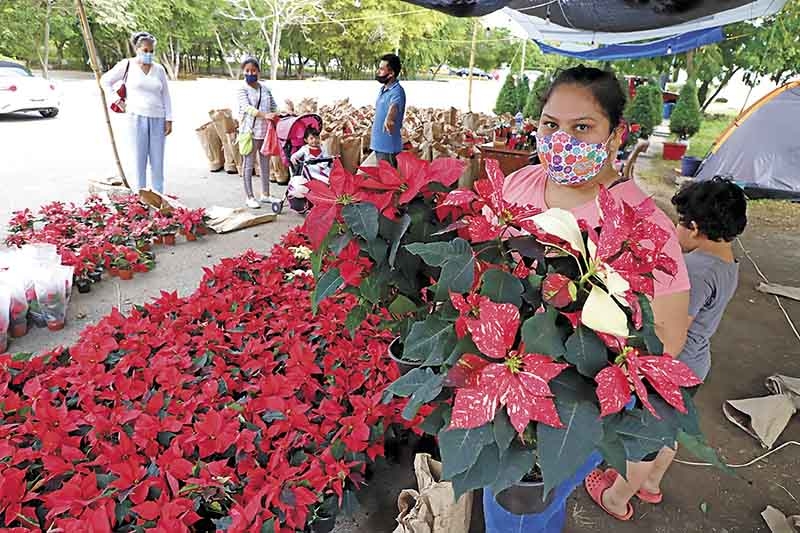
x,y
689,165
552,516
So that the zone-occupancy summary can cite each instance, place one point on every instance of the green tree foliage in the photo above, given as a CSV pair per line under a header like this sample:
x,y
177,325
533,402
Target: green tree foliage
x,y
642,112
686,117
507,99
523,91
533,106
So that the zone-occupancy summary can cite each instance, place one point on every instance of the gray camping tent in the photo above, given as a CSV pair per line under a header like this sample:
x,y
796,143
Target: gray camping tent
x,y
760,150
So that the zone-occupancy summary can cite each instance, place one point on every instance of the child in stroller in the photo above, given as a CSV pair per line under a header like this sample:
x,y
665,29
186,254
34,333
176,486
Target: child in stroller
x,y
306,163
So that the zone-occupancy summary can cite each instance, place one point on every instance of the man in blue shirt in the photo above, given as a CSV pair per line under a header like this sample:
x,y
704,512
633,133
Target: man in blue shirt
x,y
390,109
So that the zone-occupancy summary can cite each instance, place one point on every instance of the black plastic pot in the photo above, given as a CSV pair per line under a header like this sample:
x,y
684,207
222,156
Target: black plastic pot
x,y
323,524
83,285
525,498
396,353
95,276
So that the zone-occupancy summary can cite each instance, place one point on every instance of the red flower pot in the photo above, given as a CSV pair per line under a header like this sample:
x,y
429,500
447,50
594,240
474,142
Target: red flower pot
x,y
169,239
673,151
113,271
158,240
145,247
190,237
55,325
202,230
126,274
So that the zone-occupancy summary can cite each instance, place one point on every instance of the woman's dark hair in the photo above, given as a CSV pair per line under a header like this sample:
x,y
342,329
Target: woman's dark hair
x,y
393,60
603,84
251,61
140,36
717,207
310,131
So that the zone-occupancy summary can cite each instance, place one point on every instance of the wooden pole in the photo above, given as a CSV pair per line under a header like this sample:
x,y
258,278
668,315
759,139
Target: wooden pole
x,y
89,41
472,63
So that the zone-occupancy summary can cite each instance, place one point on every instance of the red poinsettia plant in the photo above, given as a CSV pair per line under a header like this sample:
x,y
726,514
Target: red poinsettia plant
x,y
528,332
230,409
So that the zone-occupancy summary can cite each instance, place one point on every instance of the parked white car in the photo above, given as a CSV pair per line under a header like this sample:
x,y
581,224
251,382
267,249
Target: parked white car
x,y
21,91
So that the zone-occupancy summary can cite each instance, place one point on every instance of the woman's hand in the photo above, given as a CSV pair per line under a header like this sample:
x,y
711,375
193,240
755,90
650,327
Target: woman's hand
x,y
167,127
268,116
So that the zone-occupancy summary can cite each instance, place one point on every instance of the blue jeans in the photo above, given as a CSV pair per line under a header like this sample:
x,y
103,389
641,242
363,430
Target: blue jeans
x,y
149,139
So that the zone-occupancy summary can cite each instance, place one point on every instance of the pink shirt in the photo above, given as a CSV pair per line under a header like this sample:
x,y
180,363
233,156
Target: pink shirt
x,y
527,187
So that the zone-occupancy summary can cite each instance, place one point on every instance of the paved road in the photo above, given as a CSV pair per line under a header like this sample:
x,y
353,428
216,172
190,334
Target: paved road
x,y
43,160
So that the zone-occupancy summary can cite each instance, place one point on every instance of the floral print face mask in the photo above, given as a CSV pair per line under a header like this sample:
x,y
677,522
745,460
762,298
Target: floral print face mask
x,y
569,161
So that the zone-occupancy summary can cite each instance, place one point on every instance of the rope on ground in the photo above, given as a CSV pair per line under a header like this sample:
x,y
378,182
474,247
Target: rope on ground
x,y
777,299
745,465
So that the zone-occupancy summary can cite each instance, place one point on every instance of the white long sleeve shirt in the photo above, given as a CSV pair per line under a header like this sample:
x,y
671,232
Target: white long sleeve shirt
x,y
148,94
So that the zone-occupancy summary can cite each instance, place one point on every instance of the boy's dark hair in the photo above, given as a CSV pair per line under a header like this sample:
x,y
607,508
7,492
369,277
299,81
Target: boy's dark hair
x,y
394,63
717,207
311,130
603,85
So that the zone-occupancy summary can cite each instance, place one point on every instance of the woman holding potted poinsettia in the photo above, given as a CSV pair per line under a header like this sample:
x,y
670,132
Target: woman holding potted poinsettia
x,y
579,128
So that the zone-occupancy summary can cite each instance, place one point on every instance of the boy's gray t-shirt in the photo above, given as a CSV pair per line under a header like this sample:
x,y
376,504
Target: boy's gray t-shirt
x,y
713,283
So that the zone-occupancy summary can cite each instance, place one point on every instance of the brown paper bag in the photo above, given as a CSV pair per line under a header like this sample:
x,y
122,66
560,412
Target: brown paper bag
x,y
351,153
225,127
467,179
278,172
433,507
212,145
332,144
233,159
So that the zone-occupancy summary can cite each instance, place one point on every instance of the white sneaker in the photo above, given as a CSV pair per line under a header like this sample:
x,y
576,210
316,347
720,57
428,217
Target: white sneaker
x,y
269,199
252,203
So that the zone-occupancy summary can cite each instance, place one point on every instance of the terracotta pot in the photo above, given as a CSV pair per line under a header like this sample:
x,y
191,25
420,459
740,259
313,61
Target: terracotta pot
x,y
145,247
55,325
158,240
126,274
202,230
169,239
19,330
190,237
113,271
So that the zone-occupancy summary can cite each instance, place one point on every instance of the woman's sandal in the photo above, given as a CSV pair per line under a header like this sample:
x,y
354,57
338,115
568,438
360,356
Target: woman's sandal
x,y
646,496
596,484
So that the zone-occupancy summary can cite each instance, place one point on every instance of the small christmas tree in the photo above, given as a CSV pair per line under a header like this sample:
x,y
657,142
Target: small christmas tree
x,y
533,105
686,118
507,99
658,100
642,112
523,90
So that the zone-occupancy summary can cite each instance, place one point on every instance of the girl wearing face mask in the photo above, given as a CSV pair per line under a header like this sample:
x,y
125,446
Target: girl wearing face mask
x,y
148,105
579,133
256,107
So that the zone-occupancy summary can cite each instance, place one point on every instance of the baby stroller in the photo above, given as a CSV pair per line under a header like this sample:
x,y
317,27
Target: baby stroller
x,y
290,130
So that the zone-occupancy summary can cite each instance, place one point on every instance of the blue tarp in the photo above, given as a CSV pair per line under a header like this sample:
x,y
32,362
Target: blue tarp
x,y
661,47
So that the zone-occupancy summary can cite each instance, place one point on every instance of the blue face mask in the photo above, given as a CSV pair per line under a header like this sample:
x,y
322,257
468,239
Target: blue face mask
x,y
146,58
251,78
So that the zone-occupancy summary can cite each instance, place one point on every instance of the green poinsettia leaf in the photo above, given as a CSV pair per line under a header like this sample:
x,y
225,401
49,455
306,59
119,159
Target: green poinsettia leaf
x,y
402,305
482,473
433,253
400,229
407,384
437,420
354,319
426,392
697,446
504,432
541,334
648,331
611,446
586,351
362,219
328,284
642,433
563,450
432,338
458,272
502,287
514,464
460,448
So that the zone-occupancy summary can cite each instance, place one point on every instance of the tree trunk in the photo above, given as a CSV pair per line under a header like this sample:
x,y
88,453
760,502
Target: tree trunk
x,y
46,61
222,56
60,52
690,64
90,48
472,64
208,60
702,91
722,85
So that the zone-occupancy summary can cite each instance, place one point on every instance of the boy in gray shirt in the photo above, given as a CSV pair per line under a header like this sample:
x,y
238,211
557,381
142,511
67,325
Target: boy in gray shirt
x,y
711,214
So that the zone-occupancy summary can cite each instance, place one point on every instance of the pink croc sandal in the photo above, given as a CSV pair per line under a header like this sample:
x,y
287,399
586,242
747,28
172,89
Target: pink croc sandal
x,y
646,496
596,484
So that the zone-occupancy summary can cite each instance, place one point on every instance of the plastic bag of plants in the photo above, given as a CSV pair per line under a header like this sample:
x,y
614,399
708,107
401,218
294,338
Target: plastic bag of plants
x,y
5,305
14,283
51,295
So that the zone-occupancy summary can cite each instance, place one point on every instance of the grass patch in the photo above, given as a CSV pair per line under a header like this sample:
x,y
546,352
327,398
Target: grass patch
x,y
710,130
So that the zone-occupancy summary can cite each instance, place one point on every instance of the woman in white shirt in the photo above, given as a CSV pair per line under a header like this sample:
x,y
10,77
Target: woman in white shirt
x,y
256,107
148,104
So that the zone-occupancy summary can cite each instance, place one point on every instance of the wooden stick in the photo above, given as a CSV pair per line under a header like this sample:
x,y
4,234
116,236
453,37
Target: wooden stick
x,y
89,41
472,64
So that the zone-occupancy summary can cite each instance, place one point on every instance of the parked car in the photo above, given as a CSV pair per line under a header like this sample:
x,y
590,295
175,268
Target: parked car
x,y
21,91
476,72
